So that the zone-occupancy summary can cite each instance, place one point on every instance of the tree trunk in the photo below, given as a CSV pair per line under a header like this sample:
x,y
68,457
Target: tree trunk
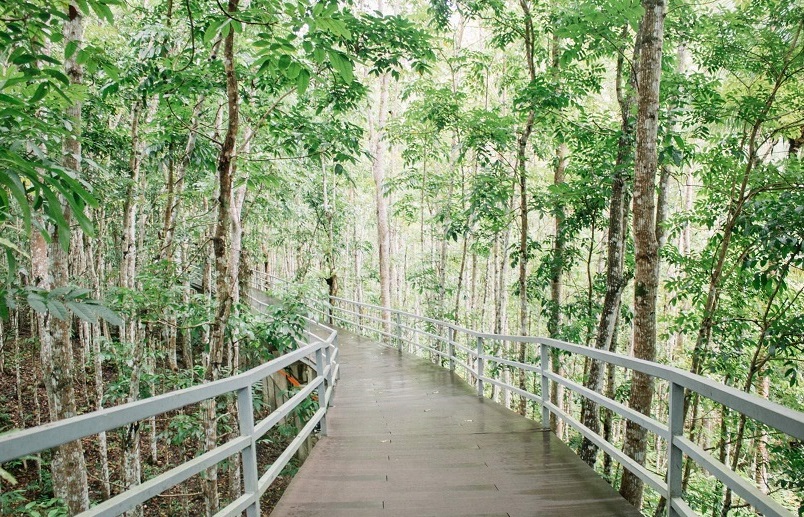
x,y
378,172
235,259
128,332
558,259
522,174
329,251
646,279
617,232
221,241
69,470
175,189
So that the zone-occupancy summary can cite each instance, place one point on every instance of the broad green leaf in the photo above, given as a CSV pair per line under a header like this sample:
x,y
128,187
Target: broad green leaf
x,y
14,185
83,311
342,65
103,11
40,92
60,291
302,81
58,310
70,48
37,303
212,30
108,315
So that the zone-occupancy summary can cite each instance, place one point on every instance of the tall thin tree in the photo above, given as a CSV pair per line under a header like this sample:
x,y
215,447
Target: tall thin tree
x,y
646,277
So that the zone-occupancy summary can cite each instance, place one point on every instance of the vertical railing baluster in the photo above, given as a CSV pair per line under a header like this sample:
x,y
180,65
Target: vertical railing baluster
x,y
245,413
451,349
322,388
674,454
480,351
545,367
398,331
328,362
337,345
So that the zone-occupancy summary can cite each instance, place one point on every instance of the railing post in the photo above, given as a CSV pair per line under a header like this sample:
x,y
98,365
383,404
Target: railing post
x,y
451,349
480,353
674,454
545,360
322,388
328,362
337,355
245,413
398,330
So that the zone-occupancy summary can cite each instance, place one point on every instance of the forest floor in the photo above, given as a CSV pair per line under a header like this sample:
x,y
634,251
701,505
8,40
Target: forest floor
x,y
177,437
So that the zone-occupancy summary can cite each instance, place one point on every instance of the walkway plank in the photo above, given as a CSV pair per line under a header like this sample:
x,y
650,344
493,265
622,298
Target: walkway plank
x,y
407,438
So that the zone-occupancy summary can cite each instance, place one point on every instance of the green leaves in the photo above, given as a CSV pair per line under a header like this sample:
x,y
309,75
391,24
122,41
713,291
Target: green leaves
x,y
63,302
334,26
341,64
302,81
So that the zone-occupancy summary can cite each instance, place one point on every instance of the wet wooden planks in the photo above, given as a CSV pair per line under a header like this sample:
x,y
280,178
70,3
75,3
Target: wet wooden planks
x,y
407,438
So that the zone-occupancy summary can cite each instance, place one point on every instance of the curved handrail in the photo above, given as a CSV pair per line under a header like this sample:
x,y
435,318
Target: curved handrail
x,y
777,416
21,443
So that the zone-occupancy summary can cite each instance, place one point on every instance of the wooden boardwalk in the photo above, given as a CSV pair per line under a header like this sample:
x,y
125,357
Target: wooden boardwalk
x,y
407,438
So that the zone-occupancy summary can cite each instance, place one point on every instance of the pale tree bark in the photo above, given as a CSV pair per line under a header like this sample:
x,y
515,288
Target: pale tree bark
x,y
94,337
606,415
50,269
500,276
557,264
235,260
381,204
329,252
615,255
175,187
662,210
522,175
646,278
128,332
221,241
499,280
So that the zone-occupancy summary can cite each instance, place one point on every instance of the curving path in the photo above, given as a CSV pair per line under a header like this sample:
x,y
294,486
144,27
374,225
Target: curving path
x,y
407,438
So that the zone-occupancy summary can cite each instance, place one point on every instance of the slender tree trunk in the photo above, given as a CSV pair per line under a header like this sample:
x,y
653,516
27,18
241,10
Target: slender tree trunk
x,y
94,337
615,278
175,189
557,261
235,260
606,415
50,269
461,272
646,279
522,174
381,205
763,456
128,332
175,185
329,252
221,241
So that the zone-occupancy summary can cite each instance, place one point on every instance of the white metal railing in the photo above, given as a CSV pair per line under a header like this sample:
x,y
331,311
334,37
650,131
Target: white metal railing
x,y
321,343
466,348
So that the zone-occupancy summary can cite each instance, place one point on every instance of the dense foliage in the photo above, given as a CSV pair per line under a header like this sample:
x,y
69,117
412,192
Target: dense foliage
x,y
217,138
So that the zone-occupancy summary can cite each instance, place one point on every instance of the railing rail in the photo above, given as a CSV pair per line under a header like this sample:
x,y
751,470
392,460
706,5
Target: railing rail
x,y
401,327
321,345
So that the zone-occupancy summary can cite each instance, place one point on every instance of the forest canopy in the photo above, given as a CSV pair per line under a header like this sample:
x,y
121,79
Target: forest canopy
x,y
620,174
